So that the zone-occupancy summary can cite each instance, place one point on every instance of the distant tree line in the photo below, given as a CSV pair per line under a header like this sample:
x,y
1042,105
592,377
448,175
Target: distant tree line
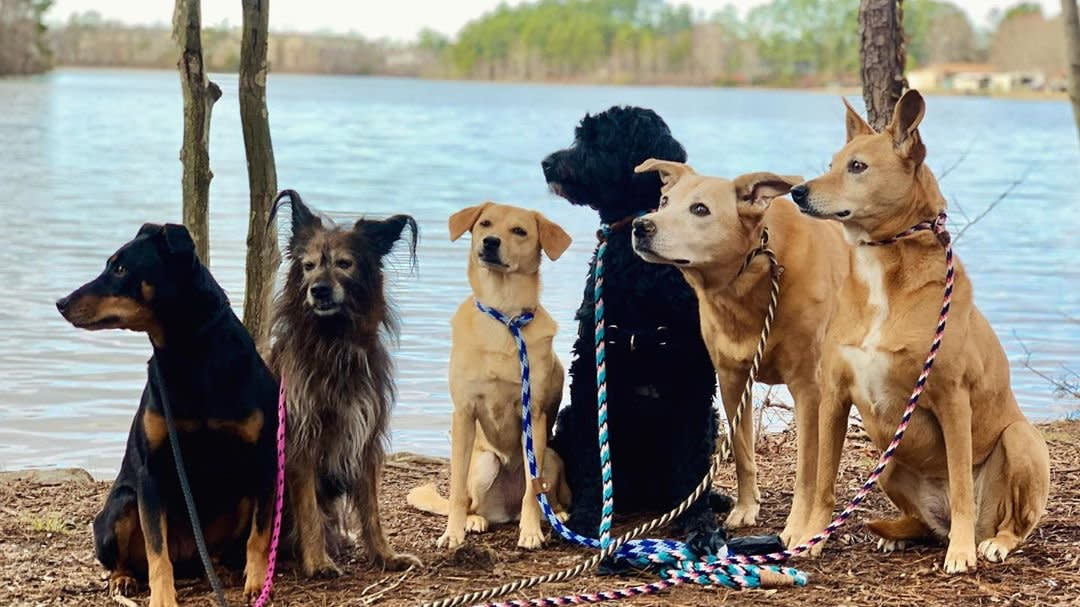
x,y
23,45
783,42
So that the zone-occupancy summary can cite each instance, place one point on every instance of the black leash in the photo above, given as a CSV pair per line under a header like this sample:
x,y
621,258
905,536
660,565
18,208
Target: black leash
x,y
185,487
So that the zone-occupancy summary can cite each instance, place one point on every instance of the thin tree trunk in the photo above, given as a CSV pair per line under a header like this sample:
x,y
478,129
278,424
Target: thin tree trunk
x,y
262,249
199,97
881,58
1072,49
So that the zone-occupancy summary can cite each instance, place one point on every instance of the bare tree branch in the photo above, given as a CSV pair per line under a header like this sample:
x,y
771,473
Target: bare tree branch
x,y
959,160
1068,385
996,201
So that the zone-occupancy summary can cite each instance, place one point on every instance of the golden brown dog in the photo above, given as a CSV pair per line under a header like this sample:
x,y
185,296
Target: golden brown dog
x,y
711,229
488,476
971,467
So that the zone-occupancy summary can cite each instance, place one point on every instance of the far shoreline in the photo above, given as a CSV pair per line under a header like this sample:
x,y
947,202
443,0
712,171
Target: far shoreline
x,y
831,89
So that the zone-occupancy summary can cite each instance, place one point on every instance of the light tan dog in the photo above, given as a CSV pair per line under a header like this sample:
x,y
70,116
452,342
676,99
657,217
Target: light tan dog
x,y
971,467
488,476
711,229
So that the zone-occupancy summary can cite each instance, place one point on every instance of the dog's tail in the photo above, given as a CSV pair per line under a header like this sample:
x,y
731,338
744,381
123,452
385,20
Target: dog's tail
x,y
426,498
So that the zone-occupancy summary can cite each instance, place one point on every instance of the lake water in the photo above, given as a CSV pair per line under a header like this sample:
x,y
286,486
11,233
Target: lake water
x,y
87,156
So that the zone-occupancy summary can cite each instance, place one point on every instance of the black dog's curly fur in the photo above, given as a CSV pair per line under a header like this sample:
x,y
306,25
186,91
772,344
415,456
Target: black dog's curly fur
x,y
660,380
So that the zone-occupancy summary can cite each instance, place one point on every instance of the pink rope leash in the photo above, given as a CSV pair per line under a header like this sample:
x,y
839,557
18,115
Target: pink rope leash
x,y
279,501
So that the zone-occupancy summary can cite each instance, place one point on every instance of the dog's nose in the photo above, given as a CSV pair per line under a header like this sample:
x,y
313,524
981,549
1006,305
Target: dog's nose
x,y
321,290
644,227
548,164
491,243
799,194
62,304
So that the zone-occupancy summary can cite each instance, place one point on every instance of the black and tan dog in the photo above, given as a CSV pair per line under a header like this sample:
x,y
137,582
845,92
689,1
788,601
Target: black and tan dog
x,y
223,399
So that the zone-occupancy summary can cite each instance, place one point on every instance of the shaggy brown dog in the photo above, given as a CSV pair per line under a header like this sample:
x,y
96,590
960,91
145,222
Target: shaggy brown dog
x,y
329,326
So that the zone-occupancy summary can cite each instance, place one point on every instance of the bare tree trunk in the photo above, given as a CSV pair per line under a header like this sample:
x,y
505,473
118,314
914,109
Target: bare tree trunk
x,y
199,97
1072,49
262,249
881,58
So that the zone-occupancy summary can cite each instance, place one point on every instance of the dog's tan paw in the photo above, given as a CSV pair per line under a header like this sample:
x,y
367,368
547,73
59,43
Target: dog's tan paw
x,y
475,523
450,540
400,562
743,515
888,546
159,599
122,584
790,535
562,516
323,571
993,551
530,539
959,560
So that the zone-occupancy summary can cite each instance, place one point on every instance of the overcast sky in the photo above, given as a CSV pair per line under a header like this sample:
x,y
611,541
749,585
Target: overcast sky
x,y
396,19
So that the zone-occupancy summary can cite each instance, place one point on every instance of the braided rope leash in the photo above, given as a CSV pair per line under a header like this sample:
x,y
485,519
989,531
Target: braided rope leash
x,y
279,502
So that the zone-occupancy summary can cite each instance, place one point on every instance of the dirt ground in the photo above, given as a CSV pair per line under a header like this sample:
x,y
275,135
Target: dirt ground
x,y
46,554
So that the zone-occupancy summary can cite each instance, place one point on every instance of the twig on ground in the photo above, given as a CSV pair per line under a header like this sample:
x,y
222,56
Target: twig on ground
x,y
366,599
123,600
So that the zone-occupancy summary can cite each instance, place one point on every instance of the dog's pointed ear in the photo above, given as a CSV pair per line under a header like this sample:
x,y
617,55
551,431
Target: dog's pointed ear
x,y
148,229
904,126
303,220
670,171
382,234
465,219
553,239
855,124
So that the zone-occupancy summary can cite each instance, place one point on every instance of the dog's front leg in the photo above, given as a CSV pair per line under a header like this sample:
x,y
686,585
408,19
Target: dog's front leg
x,y
258,546
806,395
748,501
314,560
366,500
955,418
832,429
531,536
152,518
462,435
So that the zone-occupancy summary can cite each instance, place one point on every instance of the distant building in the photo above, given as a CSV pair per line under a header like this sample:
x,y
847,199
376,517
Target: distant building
x,y
974,78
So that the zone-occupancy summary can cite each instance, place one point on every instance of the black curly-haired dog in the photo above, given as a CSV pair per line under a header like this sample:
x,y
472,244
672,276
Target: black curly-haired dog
x,y
660,380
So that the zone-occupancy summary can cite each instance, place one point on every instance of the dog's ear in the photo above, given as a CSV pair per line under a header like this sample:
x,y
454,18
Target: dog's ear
x,y
855,124
463,220
904,126
303,220
383,234
553,239
670,172
755,191
148,229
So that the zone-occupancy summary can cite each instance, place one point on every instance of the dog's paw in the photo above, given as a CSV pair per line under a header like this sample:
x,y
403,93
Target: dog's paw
x,y
400,561
562,516
450,540
743,515
959,559
888,546
993,551
162,599
530,539
252,590
790,535
323,571
474,523
122,584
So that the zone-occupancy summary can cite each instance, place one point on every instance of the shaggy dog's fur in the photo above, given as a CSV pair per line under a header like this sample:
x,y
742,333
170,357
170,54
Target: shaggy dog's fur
x,y
660,381
329,325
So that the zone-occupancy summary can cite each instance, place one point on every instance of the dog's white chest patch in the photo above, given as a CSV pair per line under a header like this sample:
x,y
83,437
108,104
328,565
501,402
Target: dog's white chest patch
x,y
869,363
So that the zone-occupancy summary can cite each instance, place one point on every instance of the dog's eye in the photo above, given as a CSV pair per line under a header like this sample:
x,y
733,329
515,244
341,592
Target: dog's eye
x,y
309,266
699,209
119,271
856,167
519,231
663,201
344,264
485,223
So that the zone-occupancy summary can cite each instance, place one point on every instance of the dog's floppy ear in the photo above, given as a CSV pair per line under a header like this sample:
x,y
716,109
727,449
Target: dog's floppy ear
x,y
553,239
383,234
755,191
904,126
148,229
463,220
670,171
855,124
172,239
303,219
